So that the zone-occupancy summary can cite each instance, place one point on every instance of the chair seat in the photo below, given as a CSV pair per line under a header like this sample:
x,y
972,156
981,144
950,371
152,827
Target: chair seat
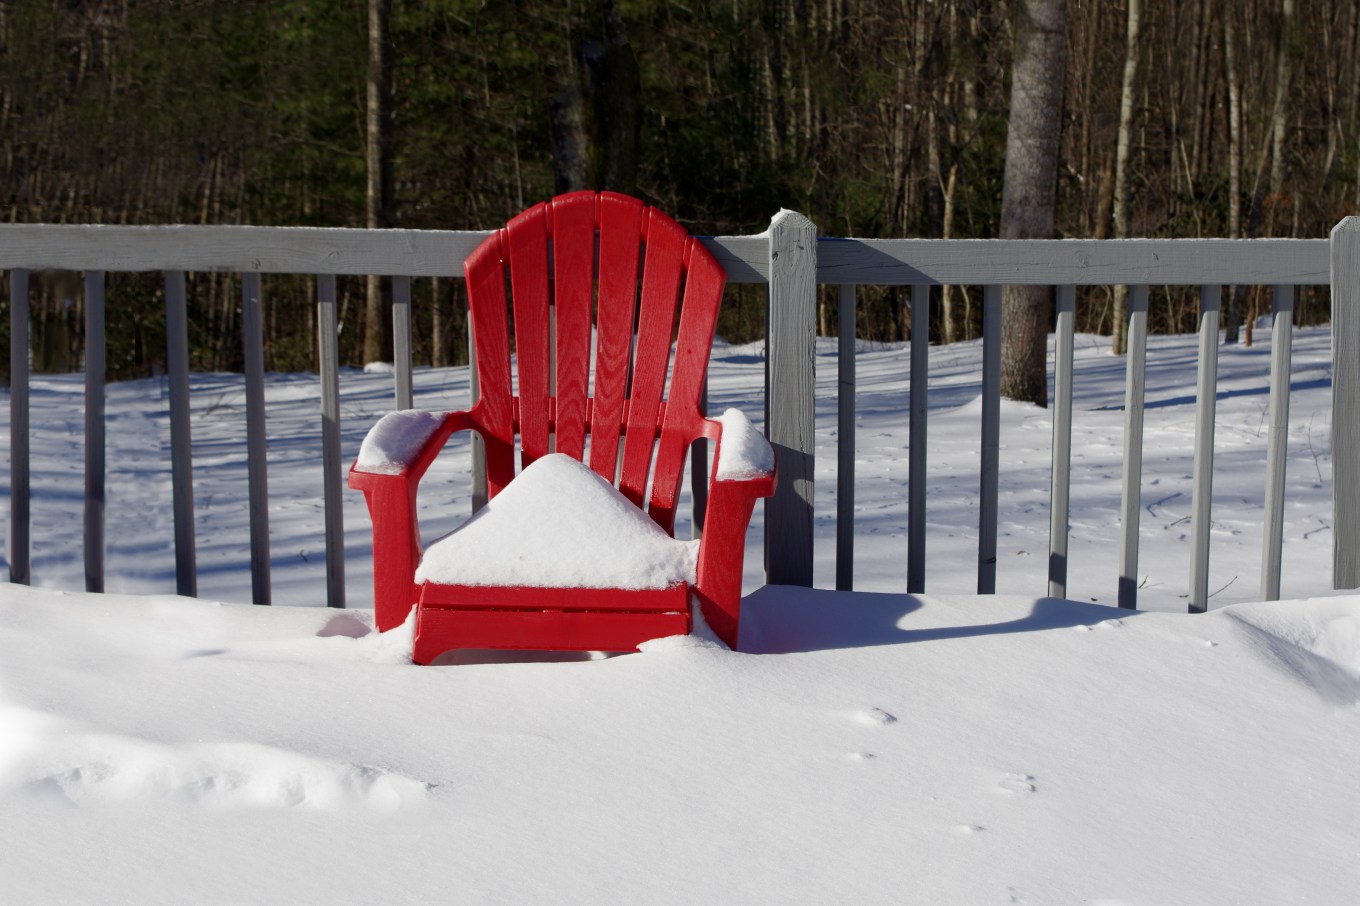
x,y
559,525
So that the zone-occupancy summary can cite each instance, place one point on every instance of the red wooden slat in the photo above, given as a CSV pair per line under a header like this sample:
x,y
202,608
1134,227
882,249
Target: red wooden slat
x,y
704,282
620,242
573,232
660,294
439,630
491,597
527,242
485,269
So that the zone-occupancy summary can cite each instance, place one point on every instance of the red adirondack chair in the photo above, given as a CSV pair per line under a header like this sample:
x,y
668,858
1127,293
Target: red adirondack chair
x,y
578,252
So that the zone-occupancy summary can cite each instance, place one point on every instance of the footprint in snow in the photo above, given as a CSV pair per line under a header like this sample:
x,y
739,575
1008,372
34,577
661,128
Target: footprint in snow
x,y
1014,782
874,717
1103,624
861,756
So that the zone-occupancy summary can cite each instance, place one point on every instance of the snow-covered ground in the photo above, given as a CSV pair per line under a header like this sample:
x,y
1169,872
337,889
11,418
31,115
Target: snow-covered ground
x,y
865,747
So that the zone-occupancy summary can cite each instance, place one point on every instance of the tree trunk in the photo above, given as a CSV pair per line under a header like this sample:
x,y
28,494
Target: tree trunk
x,y
1121,165
1234,129
567,136
1279,114
1232,318
378,158
1029,194
439,327
948,313
618,107
1262,203
595,121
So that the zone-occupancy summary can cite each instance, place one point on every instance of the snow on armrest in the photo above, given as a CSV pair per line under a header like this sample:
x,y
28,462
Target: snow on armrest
x,y
393,444
744,452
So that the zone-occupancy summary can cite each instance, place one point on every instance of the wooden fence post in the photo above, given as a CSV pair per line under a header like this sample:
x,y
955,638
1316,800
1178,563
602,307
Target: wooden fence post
x,y
791,329
1345,248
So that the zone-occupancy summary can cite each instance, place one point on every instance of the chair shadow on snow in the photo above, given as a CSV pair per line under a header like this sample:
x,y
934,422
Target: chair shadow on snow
x,y
784,619
780,619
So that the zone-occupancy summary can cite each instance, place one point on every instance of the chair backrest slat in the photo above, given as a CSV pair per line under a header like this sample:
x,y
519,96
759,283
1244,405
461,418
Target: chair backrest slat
x,y
620,245
661,275
573,227
704,283
486,300
630,375
527,237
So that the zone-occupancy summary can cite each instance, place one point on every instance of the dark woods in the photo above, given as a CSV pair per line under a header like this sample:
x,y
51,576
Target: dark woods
x,y
876,119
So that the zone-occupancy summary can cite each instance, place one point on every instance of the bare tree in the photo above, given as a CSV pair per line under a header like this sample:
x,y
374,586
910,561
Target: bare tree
x,y
1121,163
1028,197
378,159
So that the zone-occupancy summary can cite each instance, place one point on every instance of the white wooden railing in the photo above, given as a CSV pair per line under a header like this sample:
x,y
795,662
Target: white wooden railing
x,y
792,261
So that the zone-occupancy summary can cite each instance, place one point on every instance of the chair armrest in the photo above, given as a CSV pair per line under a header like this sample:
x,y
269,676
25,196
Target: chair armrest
x,y
395,455
405,443
736,483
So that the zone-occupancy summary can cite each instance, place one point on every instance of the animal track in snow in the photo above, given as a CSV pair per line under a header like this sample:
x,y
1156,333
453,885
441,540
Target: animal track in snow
x,y
874,717
1015,782
861,756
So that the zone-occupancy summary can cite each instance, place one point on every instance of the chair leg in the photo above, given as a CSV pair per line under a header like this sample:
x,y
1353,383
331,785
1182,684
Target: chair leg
x,y
722,552
396,553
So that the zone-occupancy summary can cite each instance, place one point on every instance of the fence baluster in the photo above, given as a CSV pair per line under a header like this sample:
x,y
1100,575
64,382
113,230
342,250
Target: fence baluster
x,y
479,488
917,431
989,489
1060,486
1281,355
19,539
1131,498
328,355
1206,400
94,431
257,465
401,340
845,438
181,442
698,473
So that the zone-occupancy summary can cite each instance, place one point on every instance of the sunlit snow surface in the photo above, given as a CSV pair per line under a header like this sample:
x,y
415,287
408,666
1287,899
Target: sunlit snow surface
x,y
867,747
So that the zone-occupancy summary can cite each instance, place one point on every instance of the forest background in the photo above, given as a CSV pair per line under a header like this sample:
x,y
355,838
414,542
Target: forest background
x,y
873,118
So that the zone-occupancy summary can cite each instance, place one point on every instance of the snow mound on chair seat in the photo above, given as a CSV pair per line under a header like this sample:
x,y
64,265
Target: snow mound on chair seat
x,y
559,525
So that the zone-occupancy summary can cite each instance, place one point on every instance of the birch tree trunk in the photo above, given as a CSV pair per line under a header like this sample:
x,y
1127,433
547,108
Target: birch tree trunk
x,y
1278,116
1029,194
1234,129
1121,164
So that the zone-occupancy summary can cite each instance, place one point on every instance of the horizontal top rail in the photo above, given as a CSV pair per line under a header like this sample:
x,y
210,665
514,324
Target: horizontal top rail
x,y
1049,262
901,262
243,249
285,250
